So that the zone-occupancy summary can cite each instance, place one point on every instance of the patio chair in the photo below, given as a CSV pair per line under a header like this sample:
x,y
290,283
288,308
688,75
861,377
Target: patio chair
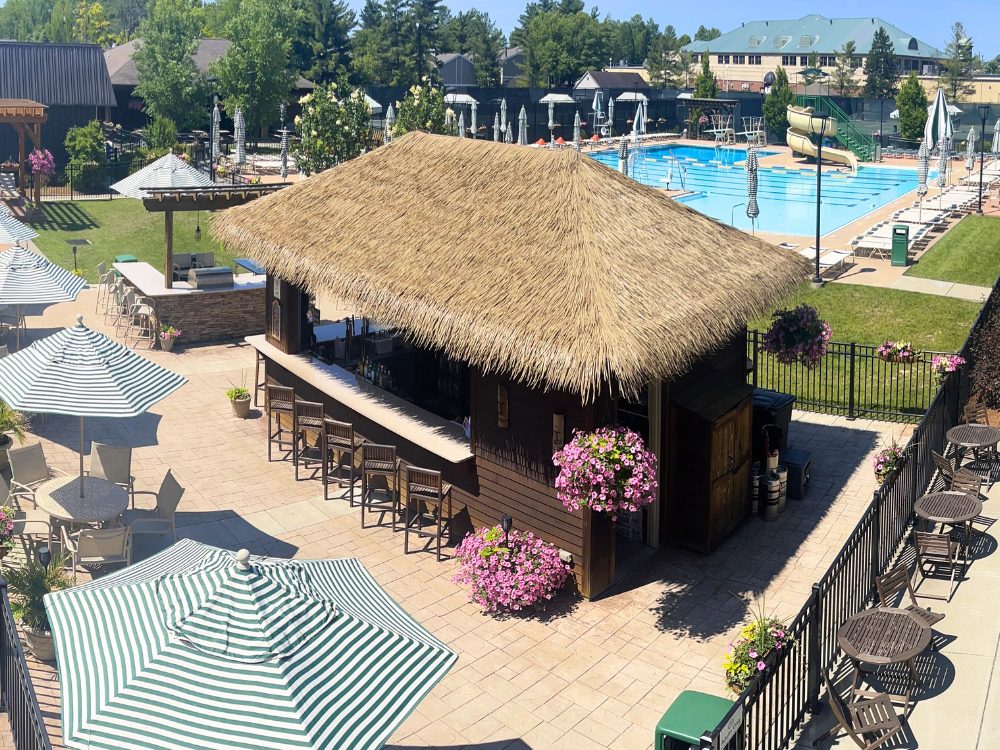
x,y
28,524
98,547
935,551
307,422
870,723
11,318
279,402
4,351
141,320
896,589
427,512
114,464
958,479
29,469
159,520
975,412
342,447
379,461
105,279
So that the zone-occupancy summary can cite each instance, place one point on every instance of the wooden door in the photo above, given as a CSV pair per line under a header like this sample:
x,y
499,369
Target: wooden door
x,y
743,431
723,446
720,513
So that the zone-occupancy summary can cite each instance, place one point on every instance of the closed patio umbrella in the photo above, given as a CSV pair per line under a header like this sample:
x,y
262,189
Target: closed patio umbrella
x,y
29,278
751,166
938,126
995,146
522,127
474,119
461,125
576,130
923,167
508,132
216,135
552,121
240,128
503,114
611,115
283,154
970,151
944,155
496,127
83,373
449,118
198,648
390,120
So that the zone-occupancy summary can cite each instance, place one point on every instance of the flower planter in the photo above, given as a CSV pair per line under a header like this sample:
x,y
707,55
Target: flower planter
x,y
167,344
39,643
241,407
5,443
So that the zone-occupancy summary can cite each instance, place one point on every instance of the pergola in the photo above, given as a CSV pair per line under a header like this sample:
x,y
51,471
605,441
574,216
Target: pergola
x,y
26,117
169,200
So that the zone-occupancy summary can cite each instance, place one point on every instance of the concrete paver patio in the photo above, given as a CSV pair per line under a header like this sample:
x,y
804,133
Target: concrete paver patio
x,y
580,675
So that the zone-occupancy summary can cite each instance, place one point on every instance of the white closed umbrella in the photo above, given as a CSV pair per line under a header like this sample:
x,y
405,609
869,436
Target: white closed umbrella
x,y
995,146
240,128
461,125
449,118
576,130
552,122
508,132
496,127
503,115
474,119
390,120
522,127
970,151
611,115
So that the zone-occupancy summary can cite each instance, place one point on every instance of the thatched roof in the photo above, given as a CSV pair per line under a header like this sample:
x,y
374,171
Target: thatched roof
x,y
540,263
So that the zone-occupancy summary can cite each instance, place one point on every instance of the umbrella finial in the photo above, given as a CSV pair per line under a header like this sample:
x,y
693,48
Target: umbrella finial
x,y
79,320
243,559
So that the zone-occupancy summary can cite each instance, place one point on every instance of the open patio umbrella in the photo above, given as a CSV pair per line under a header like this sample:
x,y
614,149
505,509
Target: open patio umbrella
x,y
4,209
496,127
923,168
216,134
522,127
474,119
12,231
970,151
390,120
240,128
938,126
751,166
198,648
461,125
29,278
83,373
576,130
168,171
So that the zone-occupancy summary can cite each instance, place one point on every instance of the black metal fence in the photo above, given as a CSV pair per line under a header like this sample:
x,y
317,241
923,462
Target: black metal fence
x,y
851,380
19,700
767,715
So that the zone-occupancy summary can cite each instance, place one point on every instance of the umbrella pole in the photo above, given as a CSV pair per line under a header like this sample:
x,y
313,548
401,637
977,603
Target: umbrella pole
x,y
17,325
81,456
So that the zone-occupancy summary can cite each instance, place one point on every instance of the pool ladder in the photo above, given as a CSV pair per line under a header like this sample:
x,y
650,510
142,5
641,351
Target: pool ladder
x,y
674,166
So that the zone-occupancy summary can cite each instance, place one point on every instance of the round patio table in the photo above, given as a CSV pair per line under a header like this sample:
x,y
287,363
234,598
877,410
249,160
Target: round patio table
x,y
974,437
102,500
950,509
881,636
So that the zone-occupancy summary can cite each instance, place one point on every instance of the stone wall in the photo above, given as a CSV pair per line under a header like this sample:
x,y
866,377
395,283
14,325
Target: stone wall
x,y
213,316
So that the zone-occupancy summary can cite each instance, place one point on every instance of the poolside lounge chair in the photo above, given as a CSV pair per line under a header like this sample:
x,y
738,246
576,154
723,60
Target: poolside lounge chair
x,y
829,260
927,215
877,241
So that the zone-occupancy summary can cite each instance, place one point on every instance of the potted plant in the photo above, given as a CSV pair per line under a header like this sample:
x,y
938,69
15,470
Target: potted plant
x,y
797,336
754,650
6,530
239,397
509,571
888,460
943,365
28,586
167,336
898,351
13,422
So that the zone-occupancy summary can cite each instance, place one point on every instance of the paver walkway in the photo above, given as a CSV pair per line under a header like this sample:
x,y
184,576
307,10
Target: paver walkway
x,y
583,675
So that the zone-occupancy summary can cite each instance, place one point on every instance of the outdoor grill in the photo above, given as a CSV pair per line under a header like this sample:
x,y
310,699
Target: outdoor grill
x,y
218,277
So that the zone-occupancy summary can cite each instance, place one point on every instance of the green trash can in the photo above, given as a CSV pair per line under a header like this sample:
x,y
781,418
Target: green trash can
x,y
688,718
900,244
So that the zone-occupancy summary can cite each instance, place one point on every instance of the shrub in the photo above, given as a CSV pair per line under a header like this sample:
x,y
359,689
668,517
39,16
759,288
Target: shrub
x,y
28,586
85,144
335,125
421,109
986,360
509,574
606,470
797,336
161,134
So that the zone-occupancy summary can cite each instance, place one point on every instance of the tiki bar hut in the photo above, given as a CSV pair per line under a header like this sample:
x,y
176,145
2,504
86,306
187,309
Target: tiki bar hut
x,y
501,297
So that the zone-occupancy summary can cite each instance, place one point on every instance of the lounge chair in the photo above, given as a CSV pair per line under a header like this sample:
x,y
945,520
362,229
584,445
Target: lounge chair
x,y
877,242
926,215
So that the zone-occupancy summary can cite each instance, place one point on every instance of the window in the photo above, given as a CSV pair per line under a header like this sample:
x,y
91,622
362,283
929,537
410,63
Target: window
x,y
913,44
807,40
695,57
739,60
755,41
788,60
723,59
781,41
804,60
827,61
753,59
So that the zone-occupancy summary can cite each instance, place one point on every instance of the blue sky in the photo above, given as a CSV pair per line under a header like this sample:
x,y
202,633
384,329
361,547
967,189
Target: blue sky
x,y
928,21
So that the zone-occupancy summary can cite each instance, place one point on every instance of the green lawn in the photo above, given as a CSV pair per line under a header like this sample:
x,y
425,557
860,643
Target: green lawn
x,y
870,315
969,253
115,227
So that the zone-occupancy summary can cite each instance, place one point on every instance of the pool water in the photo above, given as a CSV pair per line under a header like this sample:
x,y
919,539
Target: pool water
x,y
786,196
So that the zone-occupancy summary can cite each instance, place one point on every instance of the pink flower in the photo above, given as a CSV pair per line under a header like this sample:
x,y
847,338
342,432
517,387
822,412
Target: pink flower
x,y
753,654
761,666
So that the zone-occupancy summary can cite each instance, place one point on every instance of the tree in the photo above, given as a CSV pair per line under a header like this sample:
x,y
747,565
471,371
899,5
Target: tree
x,y
169,82
25,20
960,68
776,103
705,86
256,73
812,64
560,47
91,25
61,22
421,109
990,67
847,65
127,14
335,125
161,135
881,73
321,50
706,35
475,34
379,50
217,15
423,22
911,101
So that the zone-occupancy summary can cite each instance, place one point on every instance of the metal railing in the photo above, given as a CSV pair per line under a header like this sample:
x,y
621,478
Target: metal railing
x,y
848,133
851,381
19,701
767,715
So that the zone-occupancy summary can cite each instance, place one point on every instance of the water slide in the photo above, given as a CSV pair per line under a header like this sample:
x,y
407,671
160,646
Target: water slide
x,y
801,125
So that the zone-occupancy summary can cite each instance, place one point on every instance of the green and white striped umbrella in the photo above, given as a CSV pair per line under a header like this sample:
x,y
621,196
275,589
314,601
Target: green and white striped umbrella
x,y
198,649
752,165
29,278
970,150
216,133
923,167
12,231
169,171
938,126
944,156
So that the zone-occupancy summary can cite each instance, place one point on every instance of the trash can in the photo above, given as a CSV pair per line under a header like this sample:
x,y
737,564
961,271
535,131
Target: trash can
x,y
688,718
900,244
771,407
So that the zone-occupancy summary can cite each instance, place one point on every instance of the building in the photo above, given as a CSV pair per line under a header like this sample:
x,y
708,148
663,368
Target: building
x,y
741,58
70,80
609,83
457,70
513,68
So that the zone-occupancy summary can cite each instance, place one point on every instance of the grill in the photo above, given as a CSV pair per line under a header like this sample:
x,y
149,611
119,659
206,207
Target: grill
x,y
218,277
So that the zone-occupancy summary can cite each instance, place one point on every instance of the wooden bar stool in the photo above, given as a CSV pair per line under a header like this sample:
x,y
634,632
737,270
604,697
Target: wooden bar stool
x,y
341,443
259,383
307,419
279,401
427,511
379,461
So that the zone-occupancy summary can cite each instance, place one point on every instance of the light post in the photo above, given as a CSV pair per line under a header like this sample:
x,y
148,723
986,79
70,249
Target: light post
x,y
817,279
984,112
251,78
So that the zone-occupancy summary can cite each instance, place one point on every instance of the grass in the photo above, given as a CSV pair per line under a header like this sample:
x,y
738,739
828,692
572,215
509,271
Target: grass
x,y
870,315
115,227
966,254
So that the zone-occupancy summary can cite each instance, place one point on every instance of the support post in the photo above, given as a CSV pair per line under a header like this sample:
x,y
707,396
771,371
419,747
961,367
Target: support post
x,y
813,652
22,181
879,501
850,384
168,255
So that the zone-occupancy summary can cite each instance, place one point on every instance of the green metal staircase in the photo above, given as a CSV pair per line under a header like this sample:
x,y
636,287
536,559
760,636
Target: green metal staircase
x,y
848,133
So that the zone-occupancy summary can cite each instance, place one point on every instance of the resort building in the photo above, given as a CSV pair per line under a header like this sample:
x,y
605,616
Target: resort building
x,y
512,68
741,58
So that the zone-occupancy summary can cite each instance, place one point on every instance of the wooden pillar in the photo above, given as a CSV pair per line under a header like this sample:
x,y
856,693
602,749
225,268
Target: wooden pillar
x,y
168,255
656,443
35,134
598,553
21,175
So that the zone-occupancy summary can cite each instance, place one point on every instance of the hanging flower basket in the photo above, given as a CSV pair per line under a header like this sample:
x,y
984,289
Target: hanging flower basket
x,y
888,460
943,365
8,167
607,470
901,352
797,336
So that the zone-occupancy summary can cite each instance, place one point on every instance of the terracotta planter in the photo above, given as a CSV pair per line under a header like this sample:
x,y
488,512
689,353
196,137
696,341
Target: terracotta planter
x,y
241,407
40,644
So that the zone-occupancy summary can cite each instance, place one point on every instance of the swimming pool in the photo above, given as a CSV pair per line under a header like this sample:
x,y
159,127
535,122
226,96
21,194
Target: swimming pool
x,y
786,196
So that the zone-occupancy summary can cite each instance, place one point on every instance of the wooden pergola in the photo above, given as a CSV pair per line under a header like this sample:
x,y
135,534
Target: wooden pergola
x,y
26,117
169,200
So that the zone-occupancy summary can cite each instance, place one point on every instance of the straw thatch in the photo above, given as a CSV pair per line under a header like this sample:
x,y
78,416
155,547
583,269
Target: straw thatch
x,y
540,263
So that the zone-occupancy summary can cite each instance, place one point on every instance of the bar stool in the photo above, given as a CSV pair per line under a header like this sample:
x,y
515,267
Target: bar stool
x,y
341,443
259,383
278,401
307,417
427,512
379,461
105,277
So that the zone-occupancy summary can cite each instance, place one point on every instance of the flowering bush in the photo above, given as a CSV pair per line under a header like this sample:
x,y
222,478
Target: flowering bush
x,y
169,332
335,126
898,351
6,527
797,336
606,470
421,109
944,364
747,653
509,574
887,460
41,162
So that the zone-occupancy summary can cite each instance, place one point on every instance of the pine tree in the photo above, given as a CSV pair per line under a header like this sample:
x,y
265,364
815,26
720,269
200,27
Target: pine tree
x,y
911,101
322,49
843,74
960,67
776,103
705,86
882,75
